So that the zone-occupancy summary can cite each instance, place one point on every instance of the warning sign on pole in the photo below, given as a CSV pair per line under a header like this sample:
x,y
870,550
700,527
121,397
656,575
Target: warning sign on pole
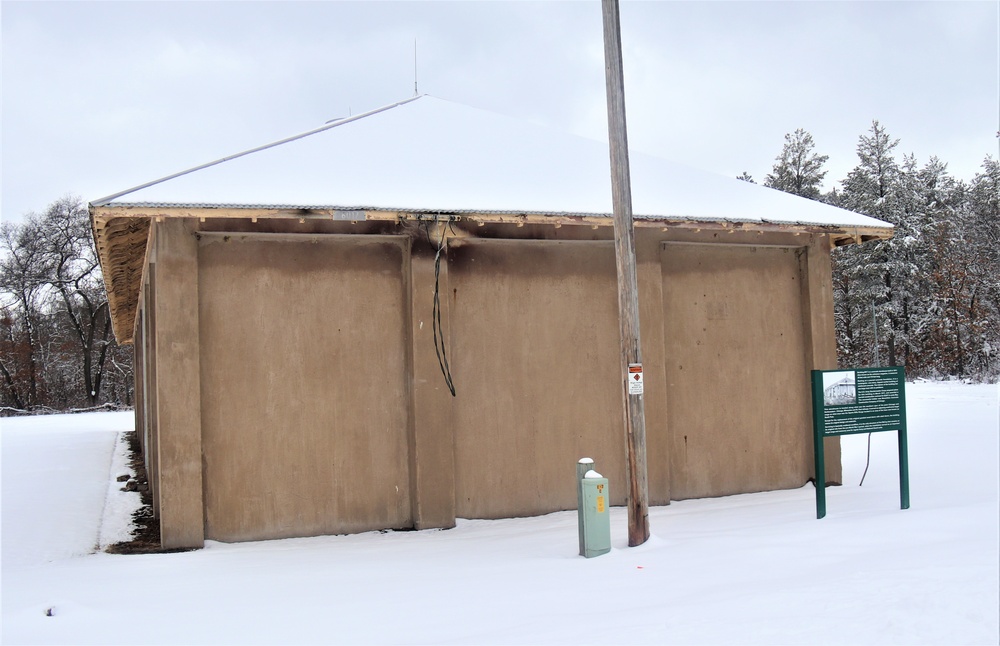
x,y
635,378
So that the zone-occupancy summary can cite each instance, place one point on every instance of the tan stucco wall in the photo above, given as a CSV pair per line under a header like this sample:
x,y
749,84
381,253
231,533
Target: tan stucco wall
x,y
535,346
431,412
820,334
737,388
177,424
321,407
304,386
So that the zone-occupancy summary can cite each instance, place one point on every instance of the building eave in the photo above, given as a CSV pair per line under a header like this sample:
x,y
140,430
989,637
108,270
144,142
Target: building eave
x,y
122,234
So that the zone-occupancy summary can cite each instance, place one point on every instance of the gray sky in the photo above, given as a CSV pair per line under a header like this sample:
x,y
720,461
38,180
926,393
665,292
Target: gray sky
x,y
101,96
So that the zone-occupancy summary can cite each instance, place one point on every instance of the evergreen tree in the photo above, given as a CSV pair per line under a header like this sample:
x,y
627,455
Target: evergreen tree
x,y
869,188
882,274
983,242
929,297
929,207
798,170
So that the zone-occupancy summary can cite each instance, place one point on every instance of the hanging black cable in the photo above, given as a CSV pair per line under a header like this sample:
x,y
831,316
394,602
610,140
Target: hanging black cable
x,y
868,462
438,331
878,363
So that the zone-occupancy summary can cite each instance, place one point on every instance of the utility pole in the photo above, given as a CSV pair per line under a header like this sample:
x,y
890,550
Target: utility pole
x,y
628,293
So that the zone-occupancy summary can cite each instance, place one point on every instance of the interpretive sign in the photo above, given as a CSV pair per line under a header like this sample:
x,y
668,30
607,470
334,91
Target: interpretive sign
x,y
859,400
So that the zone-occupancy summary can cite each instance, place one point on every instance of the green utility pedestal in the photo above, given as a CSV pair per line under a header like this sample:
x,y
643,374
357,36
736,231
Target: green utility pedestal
x,y
595,517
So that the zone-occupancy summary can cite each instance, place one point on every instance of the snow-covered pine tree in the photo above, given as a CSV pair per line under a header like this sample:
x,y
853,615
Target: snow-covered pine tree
x,y
798,170
932,208
869,188
934,288
882,275
983,241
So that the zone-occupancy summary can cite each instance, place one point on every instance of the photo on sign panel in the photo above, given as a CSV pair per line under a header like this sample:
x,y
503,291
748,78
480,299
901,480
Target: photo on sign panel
x,y
839,388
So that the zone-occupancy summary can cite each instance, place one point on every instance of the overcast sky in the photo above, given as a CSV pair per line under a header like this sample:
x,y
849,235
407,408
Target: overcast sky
x,y
102,96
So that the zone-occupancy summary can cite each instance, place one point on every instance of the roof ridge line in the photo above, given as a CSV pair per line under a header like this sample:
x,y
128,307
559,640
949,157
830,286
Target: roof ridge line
x,y
339,122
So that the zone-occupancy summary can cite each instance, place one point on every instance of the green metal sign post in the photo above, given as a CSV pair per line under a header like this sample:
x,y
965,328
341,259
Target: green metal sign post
x,y
859,400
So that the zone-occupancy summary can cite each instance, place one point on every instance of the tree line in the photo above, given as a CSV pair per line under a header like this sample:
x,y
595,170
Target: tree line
x,y
57,350
929,297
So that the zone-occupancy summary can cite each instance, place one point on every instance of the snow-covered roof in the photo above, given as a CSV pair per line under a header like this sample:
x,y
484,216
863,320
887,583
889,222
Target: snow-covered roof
x,y
430,155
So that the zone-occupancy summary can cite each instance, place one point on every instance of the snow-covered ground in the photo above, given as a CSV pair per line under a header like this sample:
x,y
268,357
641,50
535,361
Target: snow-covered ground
x,y
754,568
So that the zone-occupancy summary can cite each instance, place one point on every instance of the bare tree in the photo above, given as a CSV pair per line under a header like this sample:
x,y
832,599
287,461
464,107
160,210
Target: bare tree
x,y
56,345
22,282
75,274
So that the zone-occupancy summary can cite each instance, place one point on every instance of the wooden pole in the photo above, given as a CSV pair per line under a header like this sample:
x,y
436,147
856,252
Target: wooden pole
x,y
628,293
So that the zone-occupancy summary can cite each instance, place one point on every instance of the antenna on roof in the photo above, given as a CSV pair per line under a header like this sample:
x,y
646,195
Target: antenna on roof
x,y
415,92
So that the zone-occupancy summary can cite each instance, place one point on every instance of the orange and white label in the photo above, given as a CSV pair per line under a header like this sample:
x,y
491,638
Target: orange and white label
x,y
635,378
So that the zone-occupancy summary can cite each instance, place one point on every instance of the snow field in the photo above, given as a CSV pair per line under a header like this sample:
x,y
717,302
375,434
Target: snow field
x,y
748,569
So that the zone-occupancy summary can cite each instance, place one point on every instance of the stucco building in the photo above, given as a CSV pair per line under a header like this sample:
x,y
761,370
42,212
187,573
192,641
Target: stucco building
x,y
301,312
